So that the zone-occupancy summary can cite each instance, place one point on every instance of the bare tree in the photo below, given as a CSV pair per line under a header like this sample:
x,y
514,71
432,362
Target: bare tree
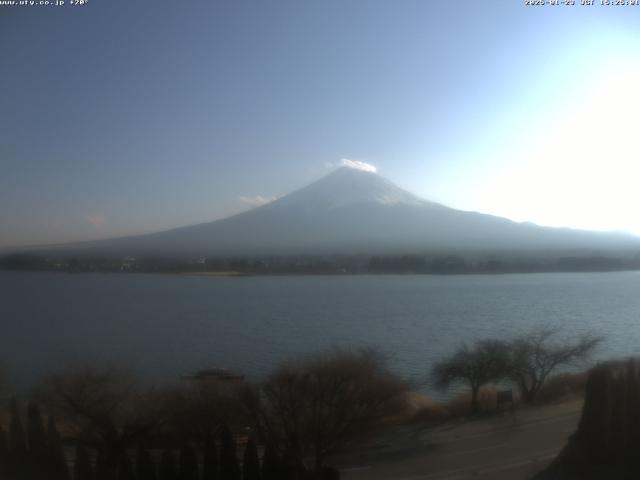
x,y
485,362
108,407
534,356
315,407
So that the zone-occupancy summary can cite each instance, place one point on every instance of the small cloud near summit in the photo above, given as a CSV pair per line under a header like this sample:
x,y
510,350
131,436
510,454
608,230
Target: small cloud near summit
x,y
258,200
355,164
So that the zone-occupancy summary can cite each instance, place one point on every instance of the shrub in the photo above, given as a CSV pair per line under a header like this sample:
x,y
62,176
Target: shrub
x,y
562,387
460,405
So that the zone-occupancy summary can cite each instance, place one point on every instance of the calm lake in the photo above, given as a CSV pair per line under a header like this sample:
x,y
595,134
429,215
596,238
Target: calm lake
x,y
167,325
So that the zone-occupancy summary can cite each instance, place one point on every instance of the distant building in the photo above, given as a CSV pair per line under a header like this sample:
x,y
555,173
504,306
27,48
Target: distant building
x,y
128,264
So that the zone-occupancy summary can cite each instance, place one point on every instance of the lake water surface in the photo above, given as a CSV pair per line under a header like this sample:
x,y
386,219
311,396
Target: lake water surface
x,y
167,325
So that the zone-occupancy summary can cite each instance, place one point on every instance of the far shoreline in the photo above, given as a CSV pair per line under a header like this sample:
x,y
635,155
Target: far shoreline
x,y
237,274
230,273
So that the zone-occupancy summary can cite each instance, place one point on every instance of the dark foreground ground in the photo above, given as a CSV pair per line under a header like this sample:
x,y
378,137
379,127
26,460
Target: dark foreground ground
x,y
503,447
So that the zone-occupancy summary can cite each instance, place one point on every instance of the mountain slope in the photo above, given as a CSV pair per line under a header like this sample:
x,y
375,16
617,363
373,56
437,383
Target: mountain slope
x,y
352,211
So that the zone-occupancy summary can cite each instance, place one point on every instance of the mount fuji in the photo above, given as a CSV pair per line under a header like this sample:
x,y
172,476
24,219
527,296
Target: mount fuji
x,y
350,211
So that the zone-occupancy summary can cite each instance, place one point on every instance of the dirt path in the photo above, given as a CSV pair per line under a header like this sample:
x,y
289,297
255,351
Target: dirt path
x,y
508,446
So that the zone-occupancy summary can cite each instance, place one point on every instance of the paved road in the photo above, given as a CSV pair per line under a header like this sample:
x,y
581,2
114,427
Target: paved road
x,y
504,447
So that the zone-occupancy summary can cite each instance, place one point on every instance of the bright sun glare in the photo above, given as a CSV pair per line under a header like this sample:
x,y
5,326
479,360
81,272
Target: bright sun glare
x,y
579,166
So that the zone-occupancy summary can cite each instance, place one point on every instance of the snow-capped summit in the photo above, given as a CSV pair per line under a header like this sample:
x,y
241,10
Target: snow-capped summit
x,y
349,186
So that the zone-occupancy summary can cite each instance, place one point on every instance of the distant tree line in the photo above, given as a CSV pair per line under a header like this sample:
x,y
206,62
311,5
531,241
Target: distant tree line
x,y
319,265
456,264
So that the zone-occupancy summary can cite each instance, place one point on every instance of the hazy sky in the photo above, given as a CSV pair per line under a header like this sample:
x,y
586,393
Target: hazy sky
x,y
132,116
